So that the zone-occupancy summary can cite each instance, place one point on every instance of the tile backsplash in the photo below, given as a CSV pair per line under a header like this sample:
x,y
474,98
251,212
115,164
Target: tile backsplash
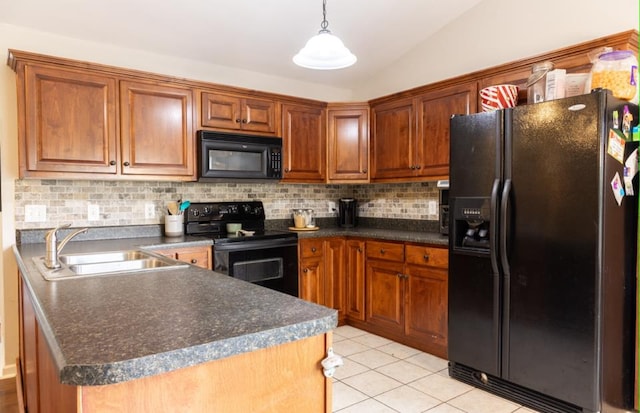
x,y
126,202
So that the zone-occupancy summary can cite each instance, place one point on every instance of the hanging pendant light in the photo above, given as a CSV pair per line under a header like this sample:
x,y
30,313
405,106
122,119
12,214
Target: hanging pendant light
x,y
324,51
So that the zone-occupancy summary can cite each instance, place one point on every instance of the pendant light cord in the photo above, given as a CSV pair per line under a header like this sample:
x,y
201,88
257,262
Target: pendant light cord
x,y
324,24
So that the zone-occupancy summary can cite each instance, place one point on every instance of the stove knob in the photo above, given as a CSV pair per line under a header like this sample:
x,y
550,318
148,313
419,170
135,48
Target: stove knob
x,y
195,212
206,210
257,210
246,208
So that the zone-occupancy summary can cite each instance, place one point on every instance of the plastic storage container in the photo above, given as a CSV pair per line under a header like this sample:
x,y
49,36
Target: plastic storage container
x,y
618,72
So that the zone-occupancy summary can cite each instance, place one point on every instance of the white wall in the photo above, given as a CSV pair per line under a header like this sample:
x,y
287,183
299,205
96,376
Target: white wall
x,y
500,31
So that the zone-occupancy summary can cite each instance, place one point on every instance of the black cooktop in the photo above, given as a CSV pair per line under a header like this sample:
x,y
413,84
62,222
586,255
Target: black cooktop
x,y
209,219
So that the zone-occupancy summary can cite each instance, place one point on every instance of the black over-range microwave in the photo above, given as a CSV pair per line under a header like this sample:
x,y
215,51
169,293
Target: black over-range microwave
x,y
224,157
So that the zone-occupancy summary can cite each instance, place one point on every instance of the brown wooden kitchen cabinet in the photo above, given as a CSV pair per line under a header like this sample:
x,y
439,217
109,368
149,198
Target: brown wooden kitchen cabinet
x,y
41,390
233,112
434,110
89,121
384,285
198,256
393,140
304,143
322,272
426,296
355,279
157,130
406,294
411,135
348,143
67,121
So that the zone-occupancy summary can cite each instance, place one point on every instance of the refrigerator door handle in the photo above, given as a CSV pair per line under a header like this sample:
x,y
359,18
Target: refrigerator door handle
x,y
494,226
504,202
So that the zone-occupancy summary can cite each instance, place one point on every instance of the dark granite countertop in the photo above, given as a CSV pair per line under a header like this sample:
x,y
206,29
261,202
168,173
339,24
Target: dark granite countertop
x,y
379,233
114,328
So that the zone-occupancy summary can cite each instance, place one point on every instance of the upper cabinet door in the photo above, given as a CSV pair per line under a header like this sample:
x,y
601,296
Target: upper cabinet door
x,y
220,111
434,113
231,112
157,130
393,140
348,144
70,121
303,142
259,115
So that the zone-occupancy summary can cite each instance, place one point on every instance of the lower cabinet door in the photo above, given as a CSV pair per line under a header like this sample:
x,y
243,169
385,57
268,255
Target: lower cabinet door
x,y
384,303
355,269
426,305
311,281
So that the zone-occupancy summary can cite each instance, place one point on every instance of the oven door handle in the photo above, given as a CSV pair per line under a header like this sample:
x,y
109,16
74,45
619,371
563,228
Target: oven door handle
x,y
254,245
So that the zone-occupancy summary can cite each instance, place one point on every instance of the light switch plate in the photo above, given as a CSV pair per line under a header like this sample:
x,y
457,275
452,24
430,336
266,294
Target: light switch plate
x,y
93,212
149,211
433,207
35,213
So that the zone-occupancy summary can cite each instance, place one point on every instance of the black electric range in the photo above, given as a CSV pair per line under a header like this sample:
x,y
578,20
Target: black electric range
x,y
265,257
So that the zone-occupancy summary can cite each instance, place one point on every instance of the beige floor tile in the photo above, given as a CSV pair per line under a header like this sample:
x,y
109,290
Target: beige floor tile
x,y
368,406
398,350
407,400
348,331
344,396
478,401
525,410
372,383
371,340
373,358
403,371
442,388
428,361
349,368
444,408
348,347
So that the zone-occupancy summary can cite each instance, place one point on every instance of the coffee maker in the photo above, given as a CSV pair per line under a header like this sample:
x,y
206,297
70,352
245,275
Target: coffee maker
x,y
347,213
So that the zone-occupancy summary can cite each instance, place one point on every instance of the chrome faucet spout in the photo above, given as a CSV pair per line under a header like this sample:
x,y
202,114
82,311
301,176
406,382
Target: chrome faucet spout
x,y
53,249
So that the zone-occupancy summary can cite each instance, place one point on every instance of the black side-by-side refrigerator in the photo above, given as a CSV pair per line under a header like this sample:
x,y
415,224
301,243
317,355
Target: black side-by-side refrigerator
x,y
542,253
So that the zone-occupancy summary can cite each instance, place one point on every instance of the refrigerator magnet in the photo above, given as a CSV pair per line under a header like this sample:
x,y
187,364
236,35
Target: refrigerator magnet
x,y
615,146
616,187
630,171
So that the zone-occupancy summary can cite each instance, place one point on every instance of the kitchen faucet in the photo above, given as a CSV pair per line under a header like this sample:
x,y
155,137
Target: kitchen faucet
x,y
52,247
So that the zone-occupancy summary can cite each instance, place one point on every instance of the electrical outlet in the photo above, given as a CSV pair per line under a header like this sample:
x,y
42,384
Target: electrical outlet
x,y
149,211
93,212
35,213
331,207
433,207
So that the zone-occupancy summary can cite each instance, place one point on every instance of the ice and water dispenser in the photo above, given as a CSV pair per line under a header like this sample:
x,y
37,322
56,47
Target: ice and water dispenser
x,y
471,223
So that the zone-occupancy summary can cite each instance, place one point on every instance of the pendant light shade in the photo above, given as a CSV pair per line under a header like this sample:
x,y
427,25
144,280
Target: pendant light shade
x,y
324,51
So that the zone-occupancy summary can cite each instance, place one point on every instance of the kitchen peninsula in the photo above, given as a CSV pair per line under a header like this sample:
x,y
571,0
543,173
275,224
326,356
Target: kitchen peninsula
x,y
178,340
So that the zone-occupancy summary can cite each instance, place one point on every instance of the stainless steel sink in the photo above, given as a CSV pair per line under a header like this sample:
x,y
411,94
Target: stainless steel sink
x,y
102,257
74,266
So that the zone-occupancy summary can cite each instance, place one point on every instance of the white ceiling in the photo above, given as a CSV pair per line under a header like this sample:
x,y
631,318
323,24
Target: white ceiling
x,y
258,35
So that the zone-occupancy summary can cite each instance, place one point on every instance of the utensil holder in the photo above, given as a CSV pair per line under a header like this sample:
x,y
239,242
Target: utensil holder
x,y
173,225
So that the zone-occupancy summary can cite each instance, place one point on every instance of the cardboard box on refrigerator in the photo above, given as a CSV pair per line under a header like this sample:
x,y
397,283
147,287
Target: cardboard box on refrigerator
x,y
576,84
555,86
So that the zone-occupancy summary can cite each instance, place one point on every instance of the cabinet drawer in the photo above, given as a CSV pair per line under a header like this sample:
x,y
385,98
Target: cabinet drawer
x,y
434,257
311,247
385,251
197,257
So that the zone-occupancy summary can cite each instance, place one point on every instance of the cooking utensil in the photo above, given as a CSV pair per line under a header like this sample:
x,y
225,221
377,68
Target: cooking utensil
x,y
184,205
172,207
